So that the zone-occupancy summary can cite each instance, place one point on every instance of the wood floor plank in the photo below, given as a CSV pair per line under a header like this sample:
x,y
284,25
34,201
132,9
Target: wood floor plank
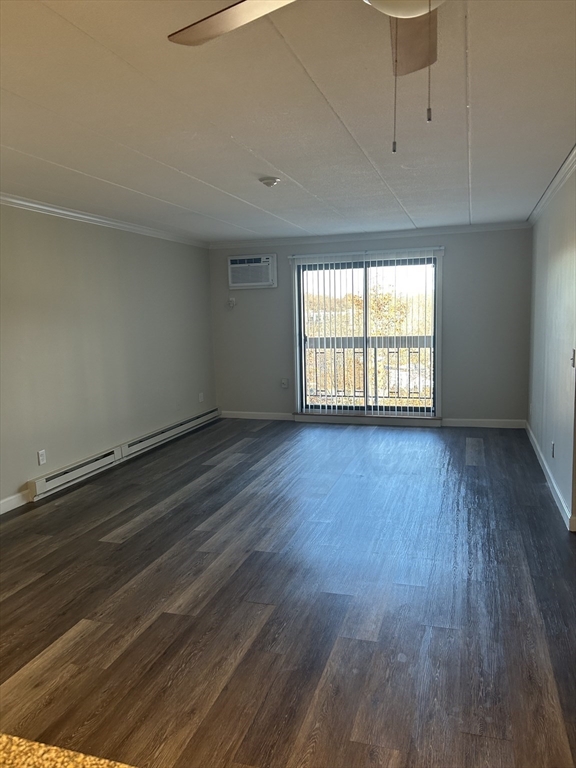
x,y
538,729
436,735
446,596
24,548
270,737
51,702
106,689
80,515
16,579
225,725
386,714
366,614
172,700
51,511
293,574
486,698
154,586
69,550
356,755
102,652
29,628
484,752
119,535
232,593
147,545
237,448
475,452
192,598
571,732
374,597
241,507
324,736
25,698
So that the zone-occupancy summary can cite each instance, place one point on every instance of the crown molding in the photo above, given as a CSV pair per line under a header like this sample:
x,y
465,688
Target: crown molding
x,y
91,218
362,237
563,174
367,237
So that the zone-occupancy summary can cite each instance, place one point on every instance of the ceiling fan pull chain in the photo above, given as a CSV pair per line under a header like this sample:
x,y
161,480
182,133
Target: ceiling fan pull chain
x,y
429,110
395,81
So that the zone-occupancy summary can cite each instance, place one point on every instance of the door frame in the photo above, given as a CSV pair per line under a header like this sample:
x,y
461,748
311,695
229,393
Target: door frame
x,y
351,414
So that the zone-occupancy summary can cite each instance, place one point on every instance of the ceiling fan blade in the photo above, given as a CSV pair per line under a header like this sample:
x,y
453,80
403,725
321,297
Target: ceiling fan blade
x,y
417,40
237,15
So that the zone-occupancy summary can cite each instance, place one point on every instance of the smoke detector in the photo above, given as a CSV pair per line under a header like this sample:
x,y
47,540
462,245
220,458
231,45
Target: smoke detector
x,y
269,181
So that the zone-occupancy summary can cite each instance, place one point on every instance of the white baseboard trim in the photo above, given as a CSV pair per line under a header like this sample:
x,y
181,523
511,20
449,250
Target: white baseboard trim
x,y
259,415
13,502
564,508
373,421
486,423
384,421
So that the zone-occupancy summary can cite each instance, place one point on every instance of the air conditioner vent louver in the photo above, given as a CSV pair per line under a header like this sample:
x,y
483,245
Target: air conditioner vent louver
x,y
254,274
252,271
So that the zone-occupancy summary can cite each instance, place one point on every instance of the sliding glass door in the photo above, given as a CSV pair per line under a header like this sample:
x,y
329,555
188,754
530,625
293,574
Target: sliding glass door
x,y
367,334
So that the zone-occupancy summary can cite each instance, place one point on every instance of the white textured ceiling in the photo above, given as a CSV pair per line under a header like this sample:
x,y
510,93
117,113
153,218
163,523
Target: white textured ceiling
x,y
100,113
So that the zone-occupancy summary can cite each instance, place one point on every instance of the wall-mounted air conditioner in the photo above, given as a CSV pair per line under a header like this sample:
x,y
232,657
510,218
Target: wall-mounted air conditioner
x,y
252,271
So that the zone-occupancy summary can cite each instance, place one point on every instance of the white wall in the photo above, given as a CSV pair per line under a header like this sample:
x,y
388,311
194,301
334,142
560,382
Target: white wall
x,y
486,320
105,336
553,339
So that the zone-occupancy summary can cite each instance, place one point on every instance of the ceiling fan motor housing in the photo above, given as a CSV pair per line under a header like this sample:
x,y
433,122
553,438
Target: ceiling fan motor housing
x,y
404,9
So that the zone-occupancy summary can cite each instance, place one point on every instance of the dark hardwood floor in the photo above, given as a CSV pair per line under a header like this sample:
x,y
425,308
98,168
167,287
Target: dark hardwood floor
x,y
278,594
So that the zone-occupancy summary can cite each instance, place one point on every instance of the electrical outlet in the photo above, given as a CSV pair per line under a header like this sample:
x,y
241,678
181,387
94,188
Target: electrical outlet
x,y
41,457
284,383
201,397
552,450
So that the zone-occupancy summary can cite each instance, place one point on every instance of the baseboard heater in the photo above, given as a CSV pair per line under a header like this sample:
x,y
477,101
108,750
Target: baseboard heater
x,y
168,433
56,481
42,486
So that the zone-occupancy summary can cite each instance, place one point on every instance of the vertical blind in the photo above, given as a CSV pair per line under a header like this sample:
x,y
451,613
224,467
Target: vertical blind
x,y
367,332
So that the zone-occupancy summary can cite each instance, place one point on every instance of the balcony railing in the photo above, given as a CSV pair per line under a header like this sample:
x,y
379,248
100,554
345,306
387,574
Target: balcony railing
x,y
397,376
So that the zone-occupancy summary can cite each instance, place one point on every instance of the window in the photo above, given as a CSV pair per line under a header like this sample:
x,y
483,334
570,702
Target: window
x,y
367,333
